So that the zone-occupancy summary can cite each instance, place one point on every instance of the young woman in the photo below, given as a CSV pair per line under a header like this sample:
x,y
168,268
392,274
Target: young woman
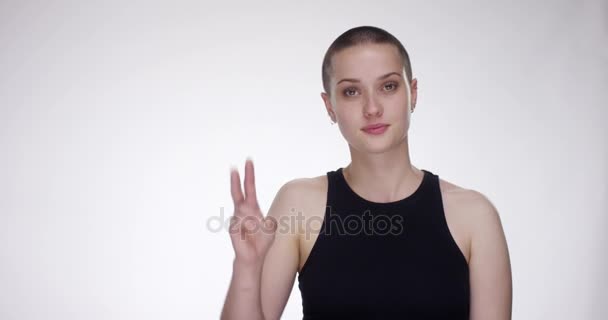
x,y
379,238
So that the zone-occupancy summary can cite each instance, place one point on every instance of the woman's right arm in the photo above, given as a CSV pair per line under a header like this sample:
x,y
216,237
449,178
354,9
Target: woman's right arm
x,y
266,261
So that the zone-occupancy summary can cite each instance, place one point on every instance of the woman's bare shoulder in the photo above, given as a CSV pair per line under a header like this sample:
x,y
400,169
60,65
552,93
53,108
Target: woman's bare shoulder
x,y
468,209
307,190
303,194
465,212
463,198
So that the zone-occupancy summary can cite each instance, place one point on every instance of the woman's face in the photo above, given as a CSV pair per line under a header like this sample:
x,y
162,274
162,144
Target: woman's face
x,y
369,86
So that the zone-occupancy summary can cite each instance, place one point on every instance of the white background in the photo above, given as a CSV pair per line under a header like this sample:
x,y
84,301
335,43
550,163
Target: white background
x,y
119,122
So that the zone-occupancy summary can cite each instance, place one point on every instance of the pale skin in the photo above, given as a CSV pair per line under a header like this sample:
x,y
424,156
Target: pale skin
x,y
266,263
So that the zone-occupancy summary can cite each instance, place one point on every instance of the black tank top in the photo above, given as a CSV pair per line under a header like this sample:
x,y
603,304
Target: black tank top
x,y
395,260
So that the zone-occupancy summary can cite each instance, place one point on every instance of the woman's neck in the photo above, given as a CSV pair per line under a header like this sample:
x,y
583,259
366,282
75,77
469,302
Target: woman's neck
x,y
383,177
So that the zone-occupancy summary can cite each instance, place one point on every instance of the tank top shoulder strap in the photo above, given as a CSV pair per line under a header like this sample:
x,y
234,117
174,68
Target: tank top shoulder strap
x,y
336,187
430,199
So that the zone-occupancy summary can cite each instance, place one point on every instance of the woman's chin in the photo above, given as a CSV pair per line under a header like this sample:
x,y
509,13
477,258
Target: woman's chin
x,y
374,147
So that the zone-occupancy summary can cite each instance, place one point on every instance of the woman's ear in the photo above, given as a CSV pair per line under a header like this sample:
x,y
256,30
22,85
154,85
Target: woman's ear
x,y
414,92
328,106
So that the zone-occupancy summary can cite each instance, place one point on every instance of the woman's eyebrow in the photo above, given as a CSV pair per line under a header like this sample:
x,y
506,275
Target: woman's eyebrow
x,y
379,78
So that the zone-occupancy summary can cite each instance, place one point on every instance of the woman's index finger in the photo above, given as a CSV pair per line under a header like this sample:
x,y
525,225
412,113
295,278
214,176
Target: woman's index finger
x,y
235,186
250,192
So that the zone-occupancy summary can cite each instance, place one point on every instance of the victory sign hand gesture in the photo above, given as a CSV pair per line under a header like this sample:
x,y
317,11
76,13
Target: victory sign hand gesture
x,y
250,232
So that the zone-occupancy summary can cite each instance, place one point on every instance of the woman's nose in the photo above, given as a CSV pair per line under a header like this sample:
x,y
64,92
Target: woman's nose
x,y
372,107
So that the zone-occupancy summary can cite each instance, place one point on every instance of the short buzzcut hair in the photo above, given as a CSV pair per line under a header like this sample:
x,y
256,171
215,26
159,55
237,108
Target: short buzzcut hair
x,y
358,36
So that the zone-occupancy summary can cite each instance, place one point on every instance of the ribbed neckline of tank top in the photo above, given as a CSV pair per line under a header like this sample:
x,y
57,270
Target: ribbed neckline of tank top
x,y
412,197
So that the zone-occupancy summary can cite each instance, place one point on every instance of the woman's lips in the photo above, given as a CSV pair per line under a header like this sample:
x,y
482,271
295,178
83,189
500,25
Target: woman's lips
x,y
376,129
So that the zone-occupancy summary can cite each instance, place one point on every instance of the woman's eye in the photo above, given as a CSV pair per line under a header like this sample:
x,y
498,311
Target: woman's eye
x,y
391,85
349,90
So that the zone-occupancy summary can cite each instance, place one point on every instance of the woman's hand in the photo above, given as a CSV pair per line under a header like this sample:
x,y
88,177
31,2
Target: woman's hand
x,y
251,234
